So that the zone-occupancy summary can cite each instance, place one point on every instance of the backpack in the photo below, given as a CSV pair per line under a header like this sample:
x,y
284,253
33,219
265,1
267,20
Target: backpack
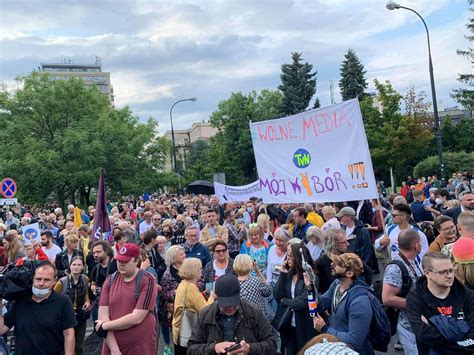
x,y
16,281
393,313
140,274
379,331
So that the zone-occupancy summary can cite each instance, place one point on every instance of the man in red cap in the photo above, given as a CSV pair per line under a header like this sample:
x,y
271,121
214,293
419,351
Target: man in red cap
x,y
127,304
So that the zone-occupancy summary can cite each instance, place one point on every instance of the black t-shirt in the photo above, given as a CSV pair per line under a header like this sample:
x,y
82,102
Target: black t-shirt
x,y
99,274
39,326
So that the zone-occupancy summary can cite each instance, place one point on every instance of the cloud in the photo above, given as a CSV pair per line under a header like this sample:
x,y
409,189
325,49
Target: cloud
x,y
162,51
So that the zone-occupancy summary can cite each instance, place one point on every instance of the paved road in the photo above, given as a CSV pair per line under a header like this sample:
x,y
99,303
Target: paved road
x,y
93,344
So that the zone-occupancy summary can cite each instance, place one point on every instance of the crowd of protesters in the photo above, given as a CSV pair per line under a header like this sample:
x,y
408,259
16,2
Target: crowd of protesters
x,y
239,273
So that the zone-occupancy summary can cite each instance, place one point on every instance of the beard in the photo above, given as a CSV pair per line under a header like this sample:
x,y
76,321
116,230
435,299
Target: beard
x,y
338,275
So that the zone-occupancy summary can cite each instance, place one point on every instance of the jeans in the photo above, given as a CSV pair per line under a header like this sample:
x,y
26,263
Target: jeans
x,y
407,339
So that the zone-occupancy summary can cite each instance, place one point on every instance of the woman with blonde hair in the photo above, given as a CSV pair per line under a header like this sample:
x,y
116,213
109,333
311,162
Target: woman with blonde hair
x,y
63,259
264,222
315,245
257,247
253,289
329,214
13,249
188,297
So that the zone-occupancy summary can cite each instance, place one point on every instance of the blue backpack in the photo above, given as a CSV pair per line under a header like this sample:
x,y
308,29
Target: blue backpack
x,y
379,332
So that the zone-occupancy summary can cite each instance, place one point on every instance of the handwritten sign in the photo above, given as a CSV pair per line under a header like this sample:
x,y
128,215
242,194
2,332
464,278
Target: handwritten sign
x,y
227,193
31,233
320,155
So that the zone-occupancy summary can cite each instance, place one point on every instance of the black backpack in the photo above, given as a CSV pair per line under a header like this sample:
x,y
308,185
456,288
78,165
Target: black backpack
x,y
393,313
16,281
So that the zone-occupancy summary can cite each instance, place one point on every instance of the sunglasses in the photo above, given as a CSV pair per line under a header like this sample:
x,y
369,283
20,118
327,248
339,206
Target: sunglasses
x,y
220,251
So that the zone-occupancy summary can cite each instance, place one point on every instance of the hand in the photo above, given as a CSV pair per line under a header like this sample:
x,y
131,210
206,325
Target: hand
x,y
220,348
88,306
159,288
385,240
36,246
244,349
98,324
318,322
307,281
213,295
145,264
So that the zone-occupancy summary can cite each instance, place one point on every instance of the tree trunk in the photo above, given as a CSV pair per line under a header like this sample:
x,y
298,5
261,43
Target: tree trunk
x,y
72,197
61,198
87,196
82,196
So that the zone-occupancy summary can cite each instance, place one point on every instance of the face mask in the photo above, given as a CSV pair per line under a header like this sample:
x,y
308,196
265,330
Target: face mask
x,y
249,209
439,201
40,292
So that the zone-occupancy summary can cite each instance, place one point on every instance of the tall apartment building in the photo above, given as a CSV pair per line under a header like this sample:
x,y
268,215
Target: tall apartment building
x,y
92,74
185,139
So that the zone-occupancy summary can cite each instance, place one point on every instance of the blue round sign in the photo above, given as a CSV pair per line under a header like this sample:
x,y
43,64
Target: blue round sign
x,y
8,188
301,158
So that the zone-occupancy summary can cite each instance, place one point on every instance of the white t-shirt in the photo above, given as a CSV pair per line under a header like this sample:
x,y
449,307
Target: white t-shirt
x,y
52,252
273,261
392,232
144,227
217,272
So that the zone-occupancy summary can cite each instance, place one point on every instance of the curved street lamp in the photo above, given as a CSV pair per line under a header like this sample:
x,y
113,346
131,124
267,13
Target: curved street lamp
x,y
193,99
394,6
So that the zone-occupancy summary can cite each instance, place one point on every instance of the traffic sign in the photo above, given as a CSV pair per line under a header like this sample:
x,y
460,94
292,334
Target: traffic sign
x,y
8,188
8,201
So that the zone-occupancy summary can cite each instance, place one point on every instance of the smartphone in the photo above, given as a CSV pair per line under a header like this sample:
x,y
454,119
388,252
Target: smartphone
x,y
233,347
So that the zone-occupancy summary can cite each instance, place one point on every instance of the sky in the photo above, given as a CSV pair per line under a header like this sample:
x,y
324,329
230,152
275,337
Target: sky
x,y
159,51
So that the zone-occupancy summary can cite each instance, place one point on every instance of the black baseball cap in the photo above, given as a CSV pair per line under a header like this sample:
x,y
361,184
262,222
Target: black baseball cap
x,y
227,289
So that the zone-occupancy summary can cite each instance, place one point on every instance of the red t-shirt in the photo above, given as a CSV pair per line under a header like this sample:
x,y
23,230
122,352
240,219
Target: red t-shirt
x,y
140,339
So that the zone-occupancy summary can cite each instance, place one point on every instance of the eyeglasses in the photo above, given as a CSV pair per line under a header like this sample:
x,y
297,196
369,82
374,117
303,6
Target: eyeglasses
x,y
220,251
157,219
450,228
442,272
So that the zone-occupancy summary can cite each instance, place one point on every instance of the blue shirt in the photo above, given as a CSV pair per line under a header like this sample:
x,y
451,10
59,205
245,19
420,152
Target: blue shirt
x,y
419,213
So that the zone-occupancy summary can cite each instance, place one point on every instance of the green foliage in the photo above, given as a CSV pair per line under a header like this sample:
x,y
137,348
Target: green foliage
x,y
395,140
465,96
298,85
454,162
230,150
198,165
459,137
57,134
352,83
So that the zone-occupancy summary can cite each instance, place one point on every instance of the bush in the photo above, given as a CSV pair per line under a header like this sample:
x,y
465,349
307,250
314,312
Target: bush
x,y
453,162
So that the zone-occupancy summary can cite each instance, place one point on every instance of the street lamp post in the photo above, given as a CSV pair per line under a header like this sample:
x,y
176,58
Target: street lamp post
x,y
394,6
175,167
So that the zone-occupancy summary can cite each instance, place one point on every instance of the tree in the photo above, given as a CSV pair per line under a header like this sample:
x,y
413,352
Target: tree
x,y
198,165
454,162
395,140
316,104
231,148
457,138
57,134
466,96
352,83
298,85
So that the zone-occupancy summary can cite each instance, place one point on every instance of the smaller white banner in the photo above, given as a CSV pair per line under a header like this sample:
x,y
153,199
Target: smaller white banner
x,y
8,201
228,193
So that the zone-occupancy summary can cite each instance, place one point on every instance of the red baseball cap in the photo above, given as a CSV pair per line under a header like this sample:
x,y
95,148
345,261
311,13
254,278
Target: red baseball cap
x,y
127,252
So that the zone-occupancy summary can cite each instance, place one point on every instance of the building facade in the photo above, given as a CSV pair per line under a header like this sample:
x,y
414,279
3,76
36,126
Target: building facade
x,y
92,74
185,139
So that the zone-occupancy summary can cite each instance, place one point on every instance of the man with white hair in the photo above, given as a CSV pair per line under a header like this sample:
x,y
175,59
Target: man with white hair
x,y
70,212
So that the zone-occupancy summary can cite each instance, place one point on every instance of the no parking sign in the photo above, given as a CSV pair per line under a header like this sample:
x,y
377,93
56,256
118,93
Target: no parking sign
x,y
8,188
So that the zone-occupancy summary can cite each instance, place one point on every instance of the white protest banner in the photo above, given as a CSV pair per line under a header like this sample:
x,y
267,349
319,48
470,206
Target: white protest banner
x,y
227,193
31,233
320,155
